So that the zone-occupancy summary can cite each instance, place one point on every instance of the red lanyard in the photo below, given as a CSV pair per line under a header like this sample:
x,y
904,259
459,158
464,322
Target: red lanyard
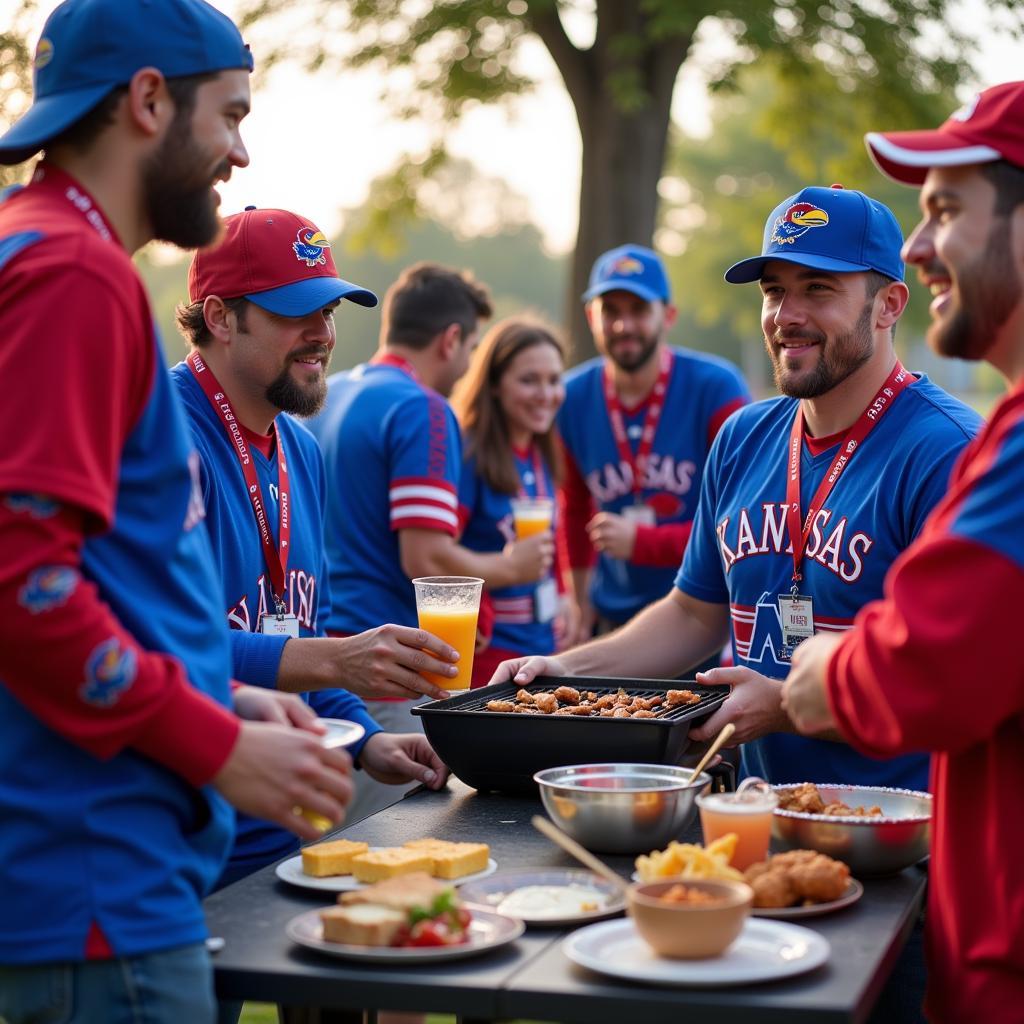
x,y
53,177
390,359
538,475
655,404
277,560
866,422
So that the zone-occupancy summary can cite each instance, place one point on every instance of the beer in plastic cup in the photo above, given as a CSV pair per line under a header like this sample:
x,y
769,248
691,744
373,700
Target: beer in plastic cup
x,y
532,515
748,813
447,606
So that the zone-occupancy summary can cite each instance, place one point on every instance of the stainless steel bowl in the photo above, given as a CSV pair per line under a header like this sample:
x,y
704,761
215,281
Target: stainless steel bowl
x,y
870,846
621,808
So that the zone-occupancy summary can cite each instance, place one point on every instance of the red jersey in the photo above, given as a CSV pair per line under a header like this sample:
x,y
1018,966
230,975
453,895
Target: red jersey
x,y
938,665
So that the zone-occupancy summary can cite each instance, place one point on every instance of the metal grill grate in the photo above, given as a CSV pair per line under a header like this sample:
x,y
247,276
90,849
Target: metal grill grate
x,y
508,691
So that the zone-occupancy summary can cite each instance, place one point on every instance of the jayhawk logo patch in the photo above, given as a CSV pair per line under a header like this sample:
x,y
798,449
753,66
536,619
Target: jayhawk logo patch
x,y
309,247
109,671
796,222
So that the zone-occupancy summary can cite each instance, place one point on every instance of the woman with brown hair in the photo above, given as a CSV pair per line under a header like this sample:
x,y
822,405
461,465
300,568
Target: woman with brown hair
x,y
506,406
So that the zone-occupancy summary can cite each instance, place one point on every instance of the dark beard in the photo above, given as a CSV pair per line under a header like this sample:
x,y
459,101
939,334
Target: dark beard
x,y
179,197
846,354
284,394
989,288
633,363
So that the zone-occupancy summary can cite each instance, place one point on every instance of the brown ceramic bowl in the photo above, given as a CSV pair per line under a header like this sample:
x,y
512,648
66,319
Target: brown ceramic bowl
x,y
690,931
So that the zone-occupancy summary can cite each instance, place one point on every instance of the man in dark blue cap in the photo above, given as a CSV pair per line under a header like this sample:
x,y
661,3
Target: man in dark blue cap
x,y
637,424
117,745
807,499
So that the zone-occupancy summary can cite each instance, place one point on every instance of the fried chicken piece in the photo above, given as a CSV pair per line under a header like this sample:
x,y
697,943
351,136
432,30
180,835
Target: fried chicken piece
x,y
676,697
621,712
526,709
591,695
756,870
607,713
819,879
655,702
546,702
500,705
524,697
567,710
567,695
644,713
773,889
804,798
606,700
580,710
791,858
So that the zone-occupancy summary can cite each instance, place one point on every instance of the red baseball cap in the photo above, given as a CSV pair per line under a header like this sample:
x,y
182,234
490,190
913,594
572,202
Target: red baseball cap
x,y
276,259
990,127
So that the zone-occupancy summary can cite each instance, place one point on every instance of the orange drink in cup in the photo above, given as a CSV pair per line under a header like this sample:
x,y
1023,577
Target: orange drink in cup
x,y
748,813
532,515
447,606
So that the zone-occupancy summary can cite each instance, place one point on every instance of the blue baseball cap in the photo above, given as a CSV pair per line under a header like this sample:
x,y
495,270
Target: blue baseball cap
x,y
835,229
90,47
629,268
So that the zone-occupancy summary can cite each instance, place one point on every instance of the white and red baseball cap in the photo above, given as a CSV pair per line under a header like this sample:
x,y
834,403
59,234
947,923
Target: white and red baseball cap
x,y
280,261
990,127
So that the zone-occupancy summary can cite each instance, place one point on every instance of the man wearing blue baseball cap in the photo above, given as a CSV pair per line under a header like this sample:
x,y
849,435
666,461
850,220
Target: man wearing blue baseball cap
x,y
637,424
118,749
807,499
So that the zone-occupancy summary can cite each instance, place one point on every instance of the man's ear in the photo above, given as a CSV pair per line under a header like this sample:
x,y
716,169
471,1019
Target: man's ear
x,y
892,301
217,317
671,313
449,341
150,106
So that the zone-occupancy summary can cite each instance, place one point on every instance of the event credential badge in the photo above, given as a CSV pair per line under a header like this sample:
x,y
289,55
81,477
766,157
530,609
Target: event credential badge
x,y
796,613
275,624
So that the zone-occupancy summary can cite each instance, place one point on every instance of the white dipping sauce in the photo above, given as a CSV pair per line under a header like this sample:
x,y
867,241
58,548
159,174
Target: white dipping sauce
x,y
552,901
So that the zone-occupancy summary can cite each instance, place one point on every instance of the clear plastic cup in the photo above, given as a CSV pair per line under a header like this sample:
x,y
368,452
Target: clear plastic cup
x,y
532,515
748,813
448,606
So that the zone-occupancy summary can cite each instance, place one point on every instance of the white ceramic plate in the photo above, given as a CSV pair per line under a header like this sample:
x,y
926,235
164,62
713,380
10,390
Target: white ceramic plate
x,y
492,891
486,931
341,732
854,891
291,871
765,950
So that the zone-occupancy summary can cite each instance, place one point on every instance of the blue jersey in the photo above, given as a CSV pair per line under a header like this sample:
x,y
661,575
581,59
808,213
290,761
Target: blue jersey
x,y
244,578
487,515
116,846
392,451
739,551
702,391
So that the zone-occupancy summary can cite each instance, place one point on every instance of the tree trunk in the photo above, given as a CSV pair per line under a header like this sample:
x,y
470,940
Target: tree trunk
x,y
624,141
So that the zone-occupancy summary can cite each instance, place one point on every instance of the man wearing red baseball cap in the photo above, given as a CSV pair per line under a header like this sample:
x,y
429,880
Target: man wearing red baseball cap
x,y
906,677
260,323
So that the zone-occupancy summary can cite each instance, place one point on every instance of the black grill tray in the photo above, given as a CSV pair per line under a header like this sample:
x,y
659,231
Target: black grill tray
x,y
496,750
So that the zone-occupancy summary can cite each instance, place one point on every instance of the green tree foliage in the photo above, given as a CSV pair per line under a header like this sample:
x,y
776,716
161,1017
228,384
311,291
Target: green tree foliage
x,y
15,78
840,64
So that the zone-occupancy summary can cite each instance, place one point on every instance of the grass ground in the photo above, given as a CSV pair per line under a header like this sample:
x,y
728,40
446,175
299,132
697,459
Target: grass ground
x,y
266,1013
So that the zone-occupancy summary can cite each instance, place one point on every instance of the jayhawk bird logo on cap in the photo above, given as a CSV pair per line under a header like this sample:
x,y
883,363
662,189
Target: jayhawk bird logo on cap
x,y
309,246
797,221
626,266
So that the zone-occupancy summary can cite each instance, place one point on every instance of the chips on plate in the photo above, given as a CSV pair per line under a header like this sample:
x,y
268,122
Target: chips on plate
x,y
691,860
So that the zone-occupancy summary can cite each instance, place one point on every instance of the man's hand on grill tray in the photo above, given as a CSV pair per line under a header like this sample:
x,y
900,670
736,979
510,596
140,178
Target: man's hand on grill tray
x,y
754,706
525,670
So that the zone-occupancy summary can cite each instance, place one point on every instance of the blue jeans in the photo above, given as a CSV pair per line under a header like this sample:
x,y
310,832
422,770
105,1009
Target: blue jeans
x,y
171,987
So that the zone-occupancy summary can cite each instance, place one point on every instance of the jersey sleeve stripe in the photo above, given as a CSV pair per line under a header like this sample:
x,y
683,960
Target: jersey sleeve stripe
x,y
424,492
401,516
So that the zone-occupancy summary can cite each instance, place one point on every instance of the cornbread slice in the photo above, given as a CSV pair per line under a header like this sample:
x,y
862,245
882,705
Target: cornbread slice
x,y
366,924
452,860
388,862
333,858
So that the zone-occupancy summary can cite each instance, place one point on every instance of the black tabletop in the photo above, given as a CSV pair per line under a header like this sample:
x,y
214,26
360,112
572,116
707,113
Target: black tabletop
x,y
531,977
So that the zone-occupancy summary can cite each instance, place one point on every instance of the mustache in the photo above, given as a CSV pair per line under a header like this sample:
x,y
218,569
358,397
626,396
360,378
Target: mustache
x,y
779,336
316,351
931,269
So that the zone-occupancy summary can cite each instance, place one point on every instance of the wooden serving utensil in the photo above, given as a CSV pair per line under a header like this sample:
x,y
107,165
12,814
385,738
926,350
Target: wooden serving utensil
x,y
584,856
727,730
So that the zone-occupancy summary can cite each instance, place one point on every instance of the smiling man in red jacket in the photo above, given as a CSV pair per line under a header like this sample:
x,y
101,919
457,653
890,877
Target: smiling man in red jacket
x,y
906,677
